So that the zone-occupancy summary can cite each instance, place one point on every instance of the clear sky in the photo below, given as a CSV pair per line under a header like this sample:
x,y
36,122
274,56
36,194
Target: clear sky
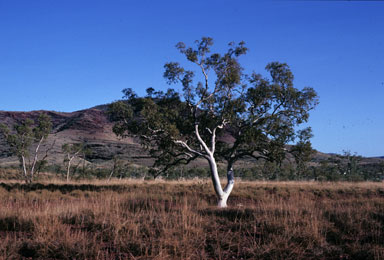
x,y
73,54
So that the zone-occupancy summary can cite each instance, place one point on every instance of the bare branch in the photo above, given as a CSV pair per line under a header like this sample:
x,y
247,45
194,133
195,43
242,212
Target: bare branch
x,y
213,139
174,163
201,141
35,157
250,154
46,155
186,146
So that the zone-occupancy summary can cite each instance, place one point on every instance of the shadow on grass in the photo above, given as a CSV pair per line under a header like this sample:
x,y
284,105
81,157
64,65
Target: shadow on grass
x,y
230,214
63,188
16,224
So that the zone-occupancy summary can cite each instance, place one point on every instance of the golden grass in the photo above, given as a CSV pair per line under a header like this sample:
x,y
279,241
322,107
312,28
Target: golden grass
x,y
178,220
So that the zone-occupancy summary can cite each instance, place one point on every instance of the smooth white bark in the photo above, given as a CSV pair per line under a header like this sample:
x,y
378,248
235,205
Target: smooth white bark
x,y
227,190
25,169
222,203
110,175
215,177
70,158
221,194
69,167
35,159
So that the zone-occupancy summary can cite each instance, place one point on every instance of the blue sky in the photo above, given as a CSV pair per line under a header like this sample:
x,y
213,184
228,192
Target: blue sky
x,y
74,54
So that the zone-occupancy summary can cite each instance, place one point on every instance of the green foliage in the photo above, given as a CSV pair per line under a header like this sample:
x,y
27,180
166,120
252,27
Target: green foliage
x,y
233,117
43,127
126,171
25,135
76,149
303,151
72,151
21,140
123,169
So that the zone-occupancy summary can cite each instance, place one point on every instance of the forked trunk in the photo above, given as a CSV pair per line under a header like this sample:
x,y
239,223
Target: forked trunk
x,y
221,194
227,190
222,202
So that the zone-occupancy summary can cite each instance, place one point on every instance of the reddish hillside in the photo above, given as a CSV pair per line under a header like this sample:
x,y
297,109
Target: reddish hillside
x,y
90,126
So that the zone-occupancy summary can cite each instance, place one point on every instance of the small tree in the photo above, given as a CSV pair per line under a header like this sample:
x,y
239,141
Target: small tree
x,y
71,152
25,142
302,151
226,118
119,167
349,166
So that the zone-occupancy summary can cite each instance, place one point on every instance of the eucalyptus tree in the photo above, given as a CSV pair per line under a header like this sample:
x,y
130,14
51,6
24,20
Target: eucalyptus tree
x,y
302,151
119,167
71,152
226,116
25,142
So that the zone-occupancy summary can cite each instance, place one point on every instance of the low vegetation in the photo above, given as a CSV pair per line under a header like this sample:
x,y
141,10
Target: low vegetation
x,y
133,219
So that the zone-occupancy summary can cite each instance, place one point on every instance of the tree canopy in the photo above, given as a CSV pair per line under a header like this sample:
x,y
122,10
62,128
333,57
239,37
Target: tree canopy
x,y
224,118
25,135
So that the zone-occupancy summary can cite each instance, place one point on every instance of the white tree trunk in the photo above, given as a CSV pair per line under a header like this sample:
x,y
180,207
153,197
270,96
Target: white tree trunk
x,y
25,169
69,168
35,159
70,158
110,176
222,203
222,195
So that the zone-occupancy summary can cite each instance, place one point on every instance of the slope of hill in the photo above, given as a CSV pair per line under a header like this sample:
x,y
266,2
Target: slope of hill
x,y
93,127
90,126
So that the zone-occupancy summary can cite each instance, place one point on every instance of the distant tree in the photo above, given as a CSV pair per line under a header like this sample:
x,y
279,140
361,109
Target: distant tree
x,y
118,167
302,151
72,151
380,171
349,165
25,142
122,168
224,118
150,92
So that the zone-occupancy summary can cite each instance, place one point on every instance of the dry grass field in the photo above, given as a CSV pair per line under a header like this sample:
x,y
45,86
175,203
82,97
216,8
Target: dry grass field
x,y
178,220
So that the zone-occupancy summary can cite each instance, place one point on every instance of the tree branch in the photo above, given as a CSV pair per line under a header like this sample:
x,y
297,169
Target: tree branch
x,y
35,157
186,146
201,141
250,154
45,156
213,139
174,163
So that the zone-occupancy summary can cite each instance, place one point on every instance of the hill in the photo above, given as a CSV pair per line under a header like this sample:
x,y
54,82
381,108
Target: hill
x,y
90,126
93,127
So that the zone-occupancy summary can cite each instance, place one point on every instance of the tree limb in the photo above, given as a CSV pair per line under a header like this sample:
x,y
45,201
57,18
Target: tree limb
x,y
186,146
201,141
